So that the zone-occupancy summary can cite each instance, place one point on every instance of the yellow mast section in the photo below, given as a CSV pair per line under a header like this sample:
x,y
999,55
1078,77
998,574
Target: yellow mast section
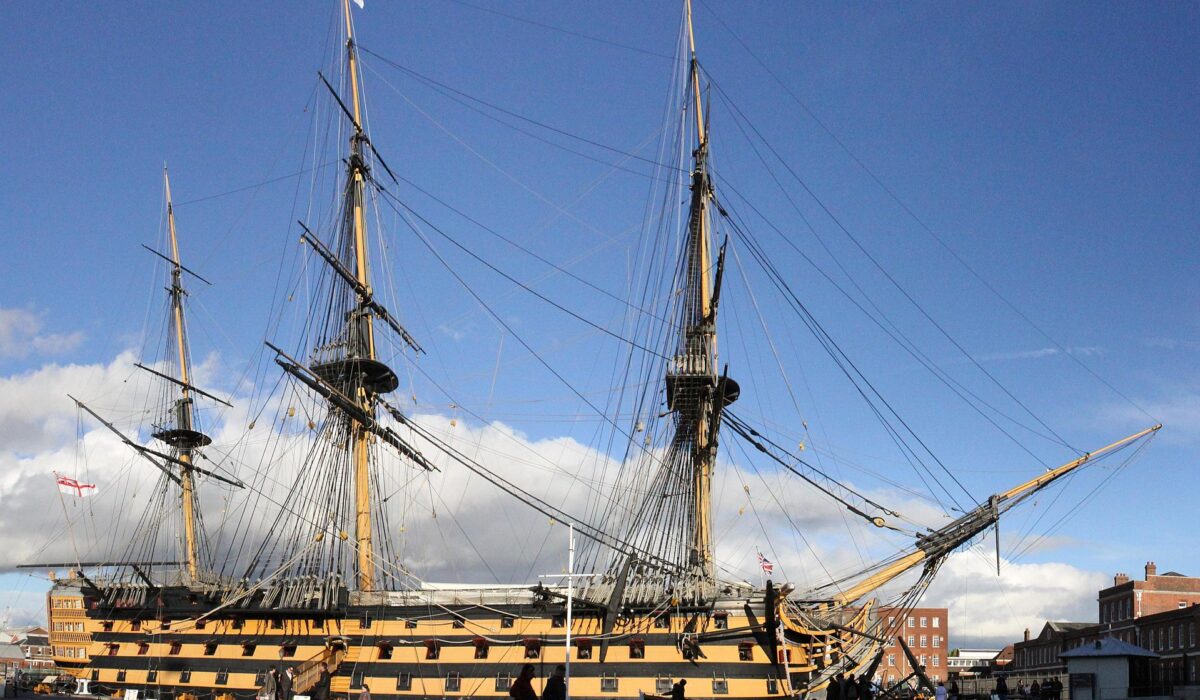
x,y
698,227
186,481
914,558
362,487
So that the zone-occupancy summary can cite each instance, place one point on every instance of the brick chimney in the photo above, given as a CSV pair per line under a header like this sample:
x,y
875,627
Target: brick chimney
x,y
1027,634
1151,570
1120,578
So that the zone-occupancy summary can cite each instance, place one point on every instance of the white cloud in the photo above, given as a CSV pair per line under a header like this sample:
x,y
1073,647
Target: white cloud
x,y
21,336
1038,353
990,611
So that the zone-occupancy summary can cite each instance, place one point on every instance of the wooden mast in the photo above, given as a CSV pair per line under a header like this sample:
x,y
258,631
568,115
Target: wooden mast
x,y
701,344
184,409
365,336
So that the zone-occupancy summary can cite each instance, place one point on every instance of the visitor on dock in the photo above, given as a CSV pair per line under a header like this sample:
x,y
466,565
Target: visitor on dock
x,y
834,690
556,685
866,690
953,690
677,690
1001,688
1035,690
851,690
939,693
283,690
522,687
267,691
365,694
321,689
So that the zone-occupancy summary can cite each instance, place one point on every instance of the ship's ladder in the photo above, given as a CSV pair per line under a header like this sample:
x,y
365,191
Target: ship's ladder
x,y
309,672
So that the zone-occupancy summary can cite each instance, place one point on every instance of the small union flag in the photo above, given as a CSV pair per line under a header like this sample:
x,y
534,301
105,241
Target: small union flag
x,y
766,564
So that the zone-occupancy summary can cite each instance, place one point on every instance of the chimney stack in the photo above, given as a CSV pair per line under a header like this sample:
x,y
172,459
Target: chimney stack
x,y
1120,578
1027,634
1151,570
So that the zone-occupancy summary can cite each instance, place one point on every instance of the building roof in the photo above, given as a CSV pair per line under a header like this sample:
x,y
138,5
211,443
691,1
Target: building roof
x,y
1109,646
1068,626
11,652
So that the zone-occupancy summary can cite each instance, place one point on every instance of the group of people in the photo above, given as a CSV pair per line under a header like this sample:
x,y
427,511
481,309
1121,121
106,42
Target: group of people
x,y
556,685
278,686
1048,689
847,687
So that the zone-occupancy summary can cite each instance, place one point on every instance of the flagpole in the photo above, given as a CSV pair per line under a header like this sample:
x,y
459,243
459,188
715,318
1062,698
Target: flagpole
x,y
570,602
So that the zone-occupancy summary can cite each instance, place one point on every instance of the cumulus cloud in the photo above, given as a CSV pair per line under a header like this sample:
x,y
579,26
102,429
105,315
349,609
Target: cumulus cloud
x,y
21,335
989,611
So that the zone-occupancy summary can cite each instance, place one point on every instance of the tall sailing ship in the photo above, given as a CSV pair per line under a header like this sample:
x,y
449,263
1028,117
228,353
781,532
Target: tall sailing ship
x,y
326,586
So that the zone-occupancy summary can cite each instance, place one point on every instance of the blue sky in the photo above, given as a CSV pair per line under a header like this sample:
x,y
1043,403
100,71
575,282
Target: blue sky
x,y
1052,146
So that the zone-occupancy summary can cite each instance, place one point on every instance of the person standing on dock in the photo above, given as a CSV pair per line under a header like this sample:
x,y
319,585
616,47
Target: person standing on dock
x,y
522,688
556,685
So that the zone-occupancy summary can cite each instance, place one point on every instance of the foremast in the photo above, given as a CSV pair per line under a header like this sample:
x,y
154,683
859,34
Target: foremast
x,y
184,438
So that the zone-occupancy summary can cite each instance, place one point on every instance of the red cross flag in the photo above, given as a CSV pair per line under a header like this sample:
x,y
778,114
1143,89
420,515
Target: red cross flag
x,y
72,487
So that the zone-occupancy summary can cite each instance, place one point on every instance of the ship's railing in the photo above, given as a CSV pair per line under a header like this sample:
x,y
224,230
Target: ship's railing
x,y
309,672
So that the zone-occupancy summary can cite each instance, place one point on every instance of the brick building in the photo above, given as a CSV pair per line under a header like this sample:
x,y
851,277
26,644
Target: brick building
x,y
1160,613
926,631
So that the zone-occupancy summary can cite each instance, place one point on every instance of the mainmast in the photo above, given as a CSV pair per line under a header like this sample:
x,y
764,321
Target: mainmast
x,y
183,437
362,335
695,391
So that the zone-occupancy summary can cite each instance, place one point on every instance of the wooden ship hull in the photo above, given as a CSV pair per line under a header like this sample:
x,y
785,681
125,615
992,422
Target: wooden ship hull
x,y
458,643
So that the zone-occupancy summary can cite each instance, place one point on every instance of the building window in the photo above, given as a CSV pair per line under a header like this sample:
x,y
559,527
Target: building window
x,y
924,621
746,651
185,676
222,676
453,682
121,676
152,676
923,641
403,681
924,660
637,649
176,647
608,683
772,685
433,650
584,649
481,648
937,622
912,641
936,661
891,659
720,685
721,621
210,649
1182,604
385,651
503,682
506,622
533,648
912,622
937,640
663,621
